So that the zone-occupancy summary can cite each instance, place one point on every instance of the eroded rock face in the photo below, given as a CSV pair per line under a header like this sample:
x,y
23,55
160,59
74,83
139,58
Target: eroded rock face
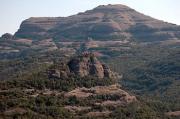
x,y
88,64
62,71
84,65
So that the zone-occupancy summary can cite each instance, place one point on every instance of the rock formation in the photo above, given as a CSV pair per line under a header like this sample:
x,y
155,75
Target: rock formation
x,y
83,65
87,64
7,36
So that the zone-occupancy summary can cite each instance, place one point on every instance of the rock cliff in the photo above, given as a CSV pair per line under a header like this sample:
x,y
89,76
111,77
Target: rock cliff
x,y
87,64
83,65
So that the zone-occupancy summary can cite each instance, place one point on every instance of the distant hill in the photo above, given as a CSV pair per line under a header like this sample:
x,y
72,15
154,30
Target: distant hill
x,y
103,26
105,22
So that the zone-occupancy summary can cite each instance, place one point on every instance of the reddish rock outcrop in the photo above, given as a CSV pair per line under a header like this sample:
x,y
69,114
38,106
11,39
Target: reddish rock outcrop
x,y
83,65
87,64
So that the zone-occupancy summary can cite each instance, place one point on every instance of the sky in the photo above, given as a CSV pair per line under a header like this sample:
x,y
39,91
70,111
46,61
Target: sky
x,y
13,12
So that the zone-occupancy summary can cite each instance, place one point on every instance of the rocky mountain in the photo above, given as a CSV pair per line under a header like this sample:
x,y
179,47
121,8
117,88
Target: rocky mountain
x,y
109,27
111,22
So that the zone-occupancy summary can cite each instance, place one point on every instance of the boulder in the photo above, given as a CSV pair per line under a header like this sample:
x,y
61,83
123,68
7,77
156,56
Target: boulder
x,y
7,36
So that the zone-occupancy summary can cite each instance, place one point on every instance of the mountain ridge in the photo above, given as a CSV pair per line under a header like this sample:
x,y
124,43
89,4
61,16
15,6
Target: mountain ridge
x,y
102,22
106,26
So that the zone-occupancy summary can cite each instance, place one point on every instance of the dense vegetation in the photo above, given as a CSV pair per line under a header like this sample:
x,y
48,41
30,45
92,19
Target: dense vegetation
x,y
153,73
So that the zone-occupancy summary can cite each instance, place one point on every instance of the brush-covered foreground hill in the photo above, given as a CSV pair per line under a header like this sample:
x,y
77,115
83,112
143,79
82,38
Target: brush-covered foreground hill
x,y
81,87
48,87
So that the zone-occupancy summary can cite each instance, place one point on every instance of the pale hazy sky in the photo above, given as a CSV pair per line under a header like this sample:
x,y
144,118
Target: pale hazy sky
x,y
13,12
